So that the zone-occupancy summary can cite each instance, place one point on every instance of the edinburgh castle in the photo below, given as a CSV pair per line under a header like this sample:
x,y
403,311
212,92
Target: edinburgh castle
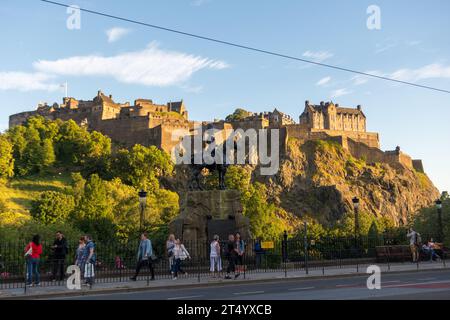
x,y
148,123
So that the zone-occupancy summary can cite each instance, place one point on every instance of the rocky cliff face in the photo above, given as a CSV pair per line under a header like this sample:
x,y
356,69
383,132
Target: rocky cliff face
x,y
318,179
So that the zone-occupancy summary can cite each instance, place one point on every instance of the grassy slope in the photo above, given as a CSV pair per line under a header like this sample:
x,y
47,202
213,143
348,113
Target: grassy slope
x,y
19,193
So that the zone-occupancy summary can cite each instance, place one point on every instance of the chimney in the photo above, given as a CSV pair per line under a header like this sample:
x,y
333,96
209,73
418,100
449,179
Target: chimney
x,y
359,107
110,96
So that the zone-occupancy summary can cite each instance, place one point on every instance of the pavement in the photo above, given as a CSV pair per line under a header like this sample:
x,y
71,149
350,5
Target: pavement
x,y
348,282
422,285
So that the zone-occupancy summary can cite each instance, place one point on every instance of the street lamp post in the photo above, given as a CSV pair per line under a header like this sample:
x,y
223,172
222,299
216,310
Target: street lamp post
x,y
355,201
142,202
440,228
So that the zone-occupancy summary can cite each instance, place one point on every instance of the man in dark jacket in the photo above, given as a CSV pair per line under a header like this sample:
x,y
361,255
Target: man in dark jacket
x,y
59,256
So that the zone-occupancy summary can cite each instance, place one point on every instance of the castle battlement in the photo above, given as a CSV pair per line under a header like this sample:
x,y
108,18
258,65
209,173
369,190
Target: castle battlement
x,y
148,123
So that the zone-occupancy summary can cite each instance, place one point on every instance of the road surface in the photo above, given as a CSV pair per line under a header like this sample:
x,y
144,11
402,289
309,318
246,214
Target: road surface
x,y
423,285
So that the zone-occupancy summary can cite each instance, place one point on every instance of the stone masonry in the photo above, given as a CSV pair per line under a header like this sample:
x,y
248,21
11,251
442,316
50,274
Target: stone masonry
x,y
148,123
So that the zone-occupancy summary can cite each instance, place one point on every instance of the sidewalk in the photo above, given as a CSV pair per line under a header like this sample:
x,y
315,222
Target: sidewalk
x,y
192,281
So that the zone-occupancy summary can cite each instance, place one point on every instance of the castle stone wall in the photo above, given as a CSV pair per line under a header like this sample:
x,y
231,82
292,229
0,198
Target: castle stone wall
x,y
418,166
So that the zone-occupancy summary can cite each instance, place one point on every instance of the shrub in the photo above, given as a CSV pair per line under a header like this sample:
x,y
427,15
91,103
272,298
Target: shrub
x,y
52,207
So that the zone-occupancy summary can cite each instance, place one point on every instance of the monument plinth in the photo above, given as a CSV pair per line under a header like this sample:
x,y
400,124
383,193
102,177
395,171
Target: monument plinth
x,y
206,213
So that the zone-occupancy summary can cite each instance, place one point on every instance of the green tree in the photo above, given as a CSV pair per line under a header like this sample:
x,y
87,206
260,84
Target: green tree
x,y
52,207
141,166
6,158
426,221
73,143
33,146
237,115
264,221
94,203
373,230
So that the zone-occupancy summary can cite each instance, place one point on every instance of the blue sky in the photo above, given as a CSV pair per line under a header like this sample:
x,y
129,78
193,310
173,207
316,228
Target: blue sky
x,y
39,52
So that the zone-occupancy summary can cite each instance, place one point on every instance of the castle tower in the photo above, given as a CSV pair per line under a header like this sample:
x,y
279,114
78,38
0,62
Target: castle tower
x,y
330,116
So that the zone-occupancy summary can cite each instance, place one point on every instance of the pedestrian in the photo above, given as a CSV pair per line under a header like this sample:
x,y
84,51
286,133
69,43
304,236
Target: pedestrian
x,y
80,253
259,253
240,244
60,251
179,255
33,253
89,261
231,254
414,243
170,245
214,256
144,257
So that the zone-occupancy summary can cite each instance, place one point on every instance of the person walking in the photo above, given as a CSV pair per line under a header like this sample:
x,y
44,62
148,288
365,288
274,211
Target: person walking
x,y
89,261
259,253
214,256
231,254
144,257
179,255
240,245
414,243
33,253
60,251
170,246
80,253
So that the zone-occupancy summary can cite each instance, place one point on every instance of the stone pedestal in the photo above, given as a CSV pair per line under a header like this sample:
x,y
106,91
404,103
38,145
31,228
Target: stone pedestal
x,y
205,213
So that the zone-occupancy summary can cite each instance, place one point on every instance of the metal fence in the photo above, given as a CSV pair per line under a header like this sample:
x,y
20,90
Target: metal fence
x,y
116,262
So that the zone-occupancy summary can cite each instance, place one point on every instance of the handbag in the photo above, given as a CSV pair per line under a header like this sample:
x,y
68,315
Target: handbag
x,y
29,252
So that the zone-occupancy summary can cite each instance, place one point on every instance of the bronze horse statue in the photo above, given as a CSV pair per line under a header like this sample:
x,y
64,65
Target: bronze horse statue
x,y
221,168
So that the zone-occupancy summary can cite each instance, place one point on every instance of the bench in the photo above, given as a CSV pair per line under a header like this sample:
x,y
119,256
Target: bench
x,y
442,251
393,253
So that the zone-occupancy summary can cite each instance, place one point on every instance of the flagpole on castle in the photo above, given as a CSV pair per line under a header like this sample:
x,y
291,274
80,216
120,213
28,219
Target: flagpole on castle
x,y
65,85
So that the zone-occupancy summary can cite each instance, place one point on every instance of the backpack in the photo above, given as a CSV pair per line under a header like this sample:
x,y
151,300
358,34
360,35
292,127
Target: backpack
x,y
418,240
170,251
226,252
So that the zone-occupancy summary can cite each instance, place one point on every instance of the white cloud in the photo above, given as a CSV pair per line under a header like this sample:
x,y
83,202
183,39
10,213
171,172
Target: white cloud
x,y
115,34
23,81
318,56
431,71
362,79
323,81
192,89
339,93
384,47
151,66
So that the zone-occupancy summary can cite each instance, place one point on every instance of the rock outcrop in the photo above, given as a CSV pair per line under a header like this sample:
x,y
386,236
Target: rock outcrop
x,y
318,179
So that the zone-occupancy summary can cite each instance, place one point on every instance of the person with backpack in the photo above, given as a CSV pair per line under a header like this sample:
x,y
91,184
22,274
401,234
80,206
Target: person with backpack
x,y
414,244
231,252
144,257
214,255
259,253
60,251
89,261
33,253
170,245
80,254
179,255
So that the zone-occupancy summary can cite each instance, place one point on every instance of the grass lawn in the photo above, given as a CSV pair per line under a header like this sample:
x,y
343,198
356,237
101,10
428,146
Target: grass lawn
x,y
19,193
